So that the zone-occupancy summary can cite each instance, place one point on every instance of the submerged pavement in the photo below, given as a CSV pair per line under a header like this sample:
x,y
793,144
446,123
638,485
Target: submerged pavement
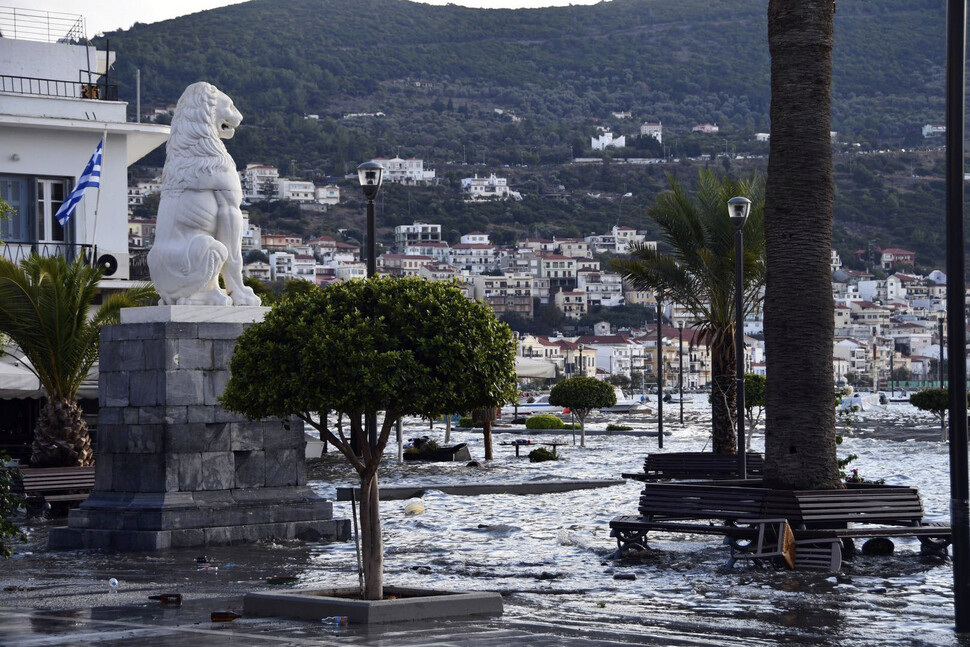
x,y
67,598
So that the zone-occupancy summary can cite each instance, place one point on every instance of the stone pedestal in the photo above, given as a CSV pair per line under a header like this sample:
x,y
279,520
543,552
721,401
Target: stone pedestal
x,y
173,468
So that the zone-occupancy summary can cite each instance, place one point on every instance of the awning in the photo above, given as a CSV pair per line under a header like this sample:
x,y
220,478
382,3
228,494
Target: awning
x,y
16,381
525,367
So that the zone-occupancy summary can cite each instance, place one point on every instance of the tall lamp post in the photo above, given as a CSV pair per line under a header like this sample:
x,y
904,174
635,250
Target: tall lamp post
x,y
956,61
370,175
738,210
680,370
939,365
660,374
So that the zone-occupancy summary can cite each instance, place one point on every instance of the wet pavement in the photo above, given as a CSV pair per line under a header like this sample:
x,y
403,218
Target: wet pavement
x,y
549,555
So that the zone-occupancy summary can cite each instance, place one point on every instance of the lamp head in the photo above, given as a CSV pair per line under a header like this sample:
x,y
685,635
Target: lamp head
x,y
370,175
738,209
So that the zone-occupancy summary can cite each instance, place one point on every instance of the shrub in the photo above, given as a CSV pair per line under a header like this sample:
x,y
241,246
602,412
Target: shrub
x,y
612,427
10,502
467,421
541,454
544,421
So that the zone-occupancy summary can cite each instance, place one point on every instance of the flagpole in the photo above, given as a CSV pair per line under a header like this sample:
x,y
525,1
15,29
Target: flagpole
x,y
97,205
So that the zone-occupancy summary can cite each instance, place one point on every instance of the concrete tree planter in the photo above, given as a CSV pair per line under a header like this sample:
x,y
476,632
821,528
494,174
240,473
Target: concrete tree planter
x,y
408,604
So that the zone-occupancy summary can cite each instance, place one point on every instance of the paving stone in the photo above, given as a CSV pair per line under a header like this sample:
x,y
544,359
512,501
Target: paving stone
x,y
218,470
190,471
215,386
183,387
281,468
193,354
113,389
249,468
132,356
246,436
143,389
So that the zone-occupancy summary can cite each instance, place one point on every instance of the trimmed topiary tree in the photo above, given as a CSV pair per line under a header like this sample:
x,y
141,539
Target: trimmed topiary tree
x,y
544,421
402,346
582,395
936,401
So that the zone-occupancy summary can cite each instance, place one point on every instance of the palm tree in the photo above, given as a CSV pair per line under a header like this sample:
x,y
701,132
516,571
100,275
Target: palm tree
x,y
44,309
698,273
799,322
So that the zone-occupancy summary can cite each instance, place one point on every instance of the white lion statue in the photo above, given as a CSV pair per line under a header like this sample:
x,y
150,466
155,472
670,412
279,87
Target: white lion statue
x,y
199,229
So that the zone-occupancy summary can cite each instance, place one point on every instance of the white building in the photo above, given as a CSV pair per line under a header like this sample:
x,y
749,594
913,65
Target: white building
x,y
607,140
329,194
405,171
419,232
477,259
252,236
705,128
282,265
655,130
475,238
931,130
48,95
296,190
476,188
259,182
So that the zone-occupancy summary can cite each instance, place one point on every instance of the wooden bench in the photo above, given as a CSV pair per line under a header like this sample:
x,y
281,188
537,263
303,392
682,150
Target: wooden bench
x,y
817,517
860,511
53,485
688,508
695,466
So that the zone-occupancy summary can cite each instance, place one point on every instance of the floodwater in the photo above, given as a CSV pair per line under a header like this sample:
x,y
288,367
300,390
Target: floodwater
x,y
552,557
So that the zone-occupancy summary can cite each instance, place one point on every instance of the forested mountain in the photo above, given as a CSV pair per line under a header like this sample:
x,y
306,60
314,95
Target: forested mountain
x,y
527,88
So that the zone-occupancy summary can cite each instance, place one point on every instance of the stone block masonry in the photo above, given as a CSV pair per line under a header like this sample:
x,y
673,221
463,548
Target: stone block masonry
x,y
172,467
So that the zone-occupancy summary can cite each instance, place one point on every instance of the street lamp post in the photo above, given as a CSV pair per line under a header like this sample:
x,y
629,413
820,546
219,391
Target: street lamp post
x,y
738,210
939,365
370,175
956,62
660,375
680,369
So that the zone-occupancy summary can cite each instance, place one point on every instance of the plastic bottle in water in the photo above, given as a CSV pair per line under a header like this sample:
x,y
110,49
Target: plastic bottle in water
x,y
337,623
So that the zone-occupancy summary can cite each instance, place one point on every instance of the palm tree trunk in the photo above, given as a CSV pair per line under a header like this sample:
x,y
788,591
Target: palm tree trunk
x,y
61,438
372,546
799,319
723,392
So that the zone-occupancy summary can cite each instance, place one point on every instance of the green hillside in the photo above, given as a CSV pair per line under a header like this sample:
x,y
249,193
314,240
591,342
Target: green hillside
x,y
439,75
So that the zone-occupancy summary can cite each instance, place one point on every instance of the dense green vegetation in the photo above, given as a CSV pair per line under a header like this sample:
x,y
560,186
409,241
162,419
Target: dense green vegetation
x,y
439,75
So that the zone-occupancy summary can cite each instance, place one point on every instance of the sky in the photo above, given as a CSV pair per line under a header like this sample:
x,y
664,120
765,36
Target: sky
x,y
107,15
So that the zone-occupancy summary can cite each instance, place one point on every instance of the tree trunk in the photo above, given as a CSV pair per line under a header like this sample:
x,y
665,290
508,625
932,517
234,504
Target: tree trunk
x,y
372,547
61,438
799,319
485,416
582,428
487,436
723,392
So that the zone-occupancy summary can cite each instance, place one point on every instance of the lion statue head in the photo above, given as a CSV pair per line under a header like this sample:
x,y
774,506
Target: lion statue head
x,y
204,116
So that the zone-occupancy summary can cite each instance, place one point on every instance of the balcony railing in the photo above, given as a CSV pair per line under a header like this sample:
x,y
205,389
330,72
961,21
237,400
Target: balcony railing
x,y
45,26
95,89
16,252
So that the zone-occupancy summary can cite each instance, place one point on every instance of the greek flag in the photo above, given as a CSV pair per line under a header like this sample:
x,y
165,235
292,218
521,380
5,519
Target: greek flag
x,y
90,177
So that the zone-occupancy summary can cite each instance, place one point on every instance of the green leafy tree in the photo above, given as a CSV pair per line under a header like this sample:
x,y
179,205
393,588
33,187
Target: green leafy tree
x,y
695,268
754,402
403,346
47,311
937,402
582,395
